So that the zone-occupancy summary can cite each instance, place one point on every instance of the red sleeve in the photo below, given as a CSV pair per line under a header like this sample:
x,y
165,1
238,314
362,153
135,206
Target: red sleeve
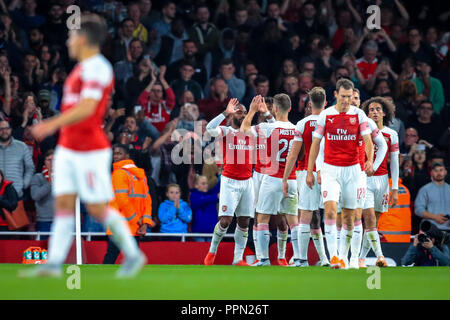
x,y
170,99
143,99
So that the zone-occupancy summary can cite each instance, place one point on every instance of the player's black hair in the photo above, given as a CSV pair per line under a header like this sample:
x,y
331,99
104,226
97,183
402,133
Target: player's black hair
x,y
122,146
260,79
317,97
388,108
94,28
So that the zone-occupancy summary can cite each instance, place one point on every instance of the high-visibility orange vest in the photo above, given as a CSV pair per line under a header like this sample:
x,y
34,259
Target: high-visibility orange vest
x,y
395,224
132,197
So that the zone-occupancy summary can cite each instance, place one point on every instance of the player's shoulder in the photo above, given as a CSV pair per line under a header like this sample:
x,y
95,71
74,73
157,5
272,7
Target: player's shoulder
x,y
389,131
372,124
97,65
329,111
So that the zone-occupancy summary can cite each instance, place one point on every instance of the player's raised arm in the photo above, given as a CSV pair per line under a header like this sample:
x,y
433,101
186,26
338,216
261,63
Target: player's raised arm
x,y
246,125
213,127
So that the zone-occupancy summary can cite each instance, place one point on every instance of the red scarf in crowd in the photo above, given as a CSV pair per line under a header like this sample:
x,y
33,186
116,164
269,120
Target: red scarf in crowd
x,y
46,173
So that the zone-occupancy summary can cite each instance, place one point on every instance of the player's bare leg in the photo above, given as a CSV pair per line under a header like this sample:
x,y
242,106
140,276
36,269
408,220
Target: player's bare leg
x,y
111,218
240,240
282,236
263,236
317,236
60,240
356,240
331,232
304,235
219,231
348,220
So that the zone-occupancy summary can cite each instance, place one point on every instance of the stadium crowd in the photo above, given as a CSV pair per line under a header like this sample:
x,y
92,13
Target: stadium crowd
x,y
178,63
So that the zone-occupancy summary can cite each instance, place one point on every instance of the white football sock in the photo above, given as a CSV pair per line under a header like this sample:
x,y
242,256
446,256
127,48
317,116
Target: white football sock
x,y
338,239
331,236
240,242
62,237
282,237
365,247
295,241
316,235
356,240
121,233
263,236
218,234
304,235
255,242
374,239
346,239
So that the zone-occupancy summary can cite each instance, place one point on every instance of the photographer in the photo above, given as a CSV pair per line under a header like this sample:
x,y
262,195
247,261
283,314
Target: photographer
x,y
429,248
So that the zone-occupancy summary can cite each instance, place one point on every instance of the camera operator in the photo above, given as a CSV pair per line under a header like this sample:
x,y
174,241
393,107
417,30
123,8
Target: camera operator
x,y
429,248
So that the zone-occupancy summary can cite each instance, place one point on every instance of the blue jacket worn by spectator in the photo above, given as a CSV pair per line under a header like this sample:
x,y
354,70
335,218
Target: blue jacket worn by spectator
x,y
174,220
204,209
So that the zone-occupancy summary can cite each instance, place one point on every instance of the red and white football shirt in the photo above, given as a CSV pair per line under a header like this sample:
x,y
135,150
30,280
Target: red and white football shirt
x,y
280,136
91,78
362,146
341,131
391,138
304,132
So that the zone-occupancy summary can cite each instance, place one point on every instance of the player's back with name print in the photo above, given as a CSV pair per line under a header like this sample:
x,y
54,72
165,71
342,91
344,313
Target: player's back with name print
x,y
280,136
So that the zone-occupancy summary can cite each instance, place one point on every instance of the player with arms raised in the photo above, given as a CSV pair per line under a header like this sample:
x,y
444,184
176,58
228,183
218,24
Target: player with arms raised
x,y
280,136
340,125
309,199
83,156
377,201
236,185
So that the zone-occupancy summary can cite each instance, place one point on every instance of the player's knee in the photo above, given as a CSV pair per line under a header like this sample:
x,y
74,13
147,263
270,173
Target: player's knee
x,y
225,222
315,220
243,222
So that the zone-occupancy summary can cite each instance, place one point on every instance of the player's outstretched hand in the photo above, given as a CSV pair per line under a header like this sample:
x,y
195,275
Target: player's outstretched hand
x,y
310,180
394,198
42,130
232,106
262,106
255,104
368,168
285,188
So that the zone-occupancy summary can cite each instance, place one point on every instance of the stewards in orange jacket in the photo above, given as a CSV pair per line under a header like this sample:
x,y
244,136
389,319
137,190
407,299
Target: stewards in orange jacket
x,y
395,225
132,198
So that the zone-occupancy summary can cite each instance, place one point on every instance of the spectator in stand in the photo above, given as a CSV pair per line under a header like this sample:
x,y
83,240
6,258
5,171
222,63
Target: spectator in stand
x,y
55,30
156,109
325,65
368,63
5,94
32,74
136,84
132,199
174,213
204,207
260,87
411,138
217,100
189,54
134,13
235,85
121,43
172,44
433,200
24,14
291,88
41,193
225,49
429,128
15,160
346,18
406,102
162,27
309,23
185,82
8,199
205,34
415,48
148,16
289,69
124,69
429,86
415,171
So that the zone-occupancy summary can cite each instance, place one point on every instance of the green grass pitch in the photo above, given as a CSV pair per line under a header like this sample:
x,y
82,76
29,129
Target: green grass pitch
x,y
192,282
